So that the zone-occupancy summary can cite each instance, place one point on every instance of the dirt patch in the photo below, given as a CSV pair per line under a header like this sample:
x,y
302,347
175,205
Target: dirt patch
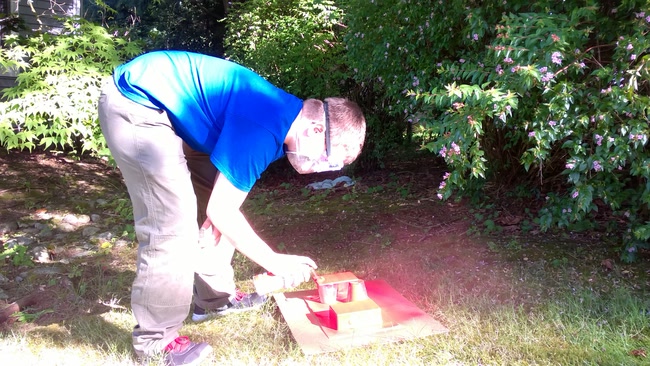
x,y
38,192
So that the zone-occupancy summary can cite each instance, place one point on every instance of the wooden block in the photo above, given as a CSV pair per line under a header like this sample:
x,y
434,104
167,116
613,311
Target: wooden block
x,y
334,278
355,315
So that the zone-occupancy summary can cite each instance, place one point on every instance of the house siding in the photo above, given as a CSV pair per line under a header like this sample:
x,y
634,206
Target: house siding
x,y
7,81
45,11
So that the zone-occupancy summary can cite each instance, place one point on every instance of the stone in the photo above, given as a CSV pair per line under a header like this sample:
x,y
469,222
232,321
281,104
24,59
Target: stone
x,y
83,219
70,219
46,232
61,236
82,253
19,240
46,271
90,231
7,227
66,227
105,236
41,255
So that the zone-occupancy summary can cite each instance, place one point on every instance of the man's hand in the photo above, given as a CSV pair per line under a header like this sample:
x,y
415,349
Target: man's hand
x,y
294,269
209,234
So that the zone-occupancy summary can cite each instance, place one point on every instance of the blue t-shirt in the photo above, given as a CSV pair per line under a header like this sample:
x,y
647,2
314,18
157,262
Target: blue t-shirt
x,y
216,106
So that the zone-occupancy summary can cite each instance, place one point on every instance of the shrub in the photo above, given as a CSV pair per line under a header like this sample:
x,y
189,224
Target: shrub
x,y
54,104
552,93
294,44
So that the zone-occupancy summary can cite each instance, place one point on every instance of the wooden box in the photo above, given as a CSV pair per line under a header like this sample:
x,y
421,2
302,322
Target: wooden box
x,y
355,315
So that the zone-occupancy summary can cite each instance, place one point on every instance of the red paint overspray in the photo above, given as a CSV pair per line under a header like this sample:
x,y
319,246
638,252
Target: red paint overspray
x,y
312,326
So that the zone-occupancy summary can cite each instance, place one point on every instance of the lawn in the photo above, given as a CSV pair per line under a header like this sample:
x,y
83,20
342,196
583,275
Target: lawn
x,y
509,294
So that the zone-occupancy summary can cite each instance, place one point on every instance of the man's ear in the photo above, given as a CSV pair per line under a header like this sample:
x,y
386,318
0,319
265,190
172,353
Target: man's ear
x,y
315,129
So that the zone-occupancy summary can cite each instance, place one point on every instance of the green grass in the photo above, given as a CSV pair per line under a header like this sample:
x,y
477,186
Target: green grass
x,y
506,300
575,327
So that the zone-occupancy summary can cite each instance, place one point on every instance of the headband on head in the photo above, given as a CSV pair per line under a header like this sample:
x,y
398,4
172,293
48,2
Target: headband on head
x,y
327,129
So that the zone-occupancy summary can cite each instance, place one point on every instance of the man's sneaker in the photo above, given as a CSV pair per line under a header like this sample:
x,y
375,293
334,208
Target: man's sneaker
x,y
240,303
182,351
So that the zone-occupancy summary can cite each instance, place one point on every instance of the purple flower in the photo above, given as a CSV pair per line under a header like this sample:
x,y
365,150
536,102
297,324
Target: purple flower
x,y
629,46
443,151
570,165
508,60
543,69
556,58
552,123
599,139
597,166
455,147
531,134
574,195
547,77
475,36
632,57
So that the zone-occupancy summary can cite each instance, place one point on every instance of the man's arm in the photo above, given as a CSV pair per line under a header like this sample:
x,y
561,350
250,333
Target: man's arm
x,y
224,215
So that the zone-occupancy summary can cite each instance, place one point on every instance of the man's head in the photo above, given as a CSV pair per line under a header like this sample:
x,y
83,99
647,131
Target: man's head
x,y
327,135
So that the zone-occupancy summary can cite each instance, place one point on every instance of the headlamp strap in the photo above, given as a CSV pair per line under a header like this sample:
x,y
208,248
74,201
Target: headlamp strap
x,y
327,129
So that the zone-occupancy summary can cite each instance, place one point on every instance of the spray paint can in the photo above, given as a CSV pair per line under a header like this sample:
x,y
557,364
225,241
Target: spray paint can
x,y
357,291
266,283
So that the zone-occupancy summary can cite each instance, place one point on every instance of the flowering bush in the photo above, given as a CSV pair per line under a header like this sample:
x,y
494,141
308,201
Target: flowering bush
x,y
553,93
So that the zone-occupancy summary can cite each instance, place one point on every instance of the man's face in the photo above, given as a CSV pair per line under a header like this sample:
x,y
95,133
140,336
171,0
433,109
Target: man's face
x,y
313,151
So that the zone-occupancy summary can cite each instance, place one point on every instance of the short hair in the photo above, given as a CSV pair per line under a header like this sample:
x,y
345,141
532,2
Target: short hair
x,y
347,125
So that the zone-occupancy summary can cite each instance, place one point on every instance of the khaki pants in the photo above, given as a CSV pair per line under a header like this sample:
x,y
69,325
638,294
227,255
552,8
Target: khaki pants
x,y
214,276
160,181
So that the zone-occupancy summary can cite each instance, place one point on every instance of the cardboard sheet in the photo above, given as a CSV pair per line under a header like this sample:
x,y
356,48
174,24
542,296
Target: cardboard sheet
x,y
310,325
